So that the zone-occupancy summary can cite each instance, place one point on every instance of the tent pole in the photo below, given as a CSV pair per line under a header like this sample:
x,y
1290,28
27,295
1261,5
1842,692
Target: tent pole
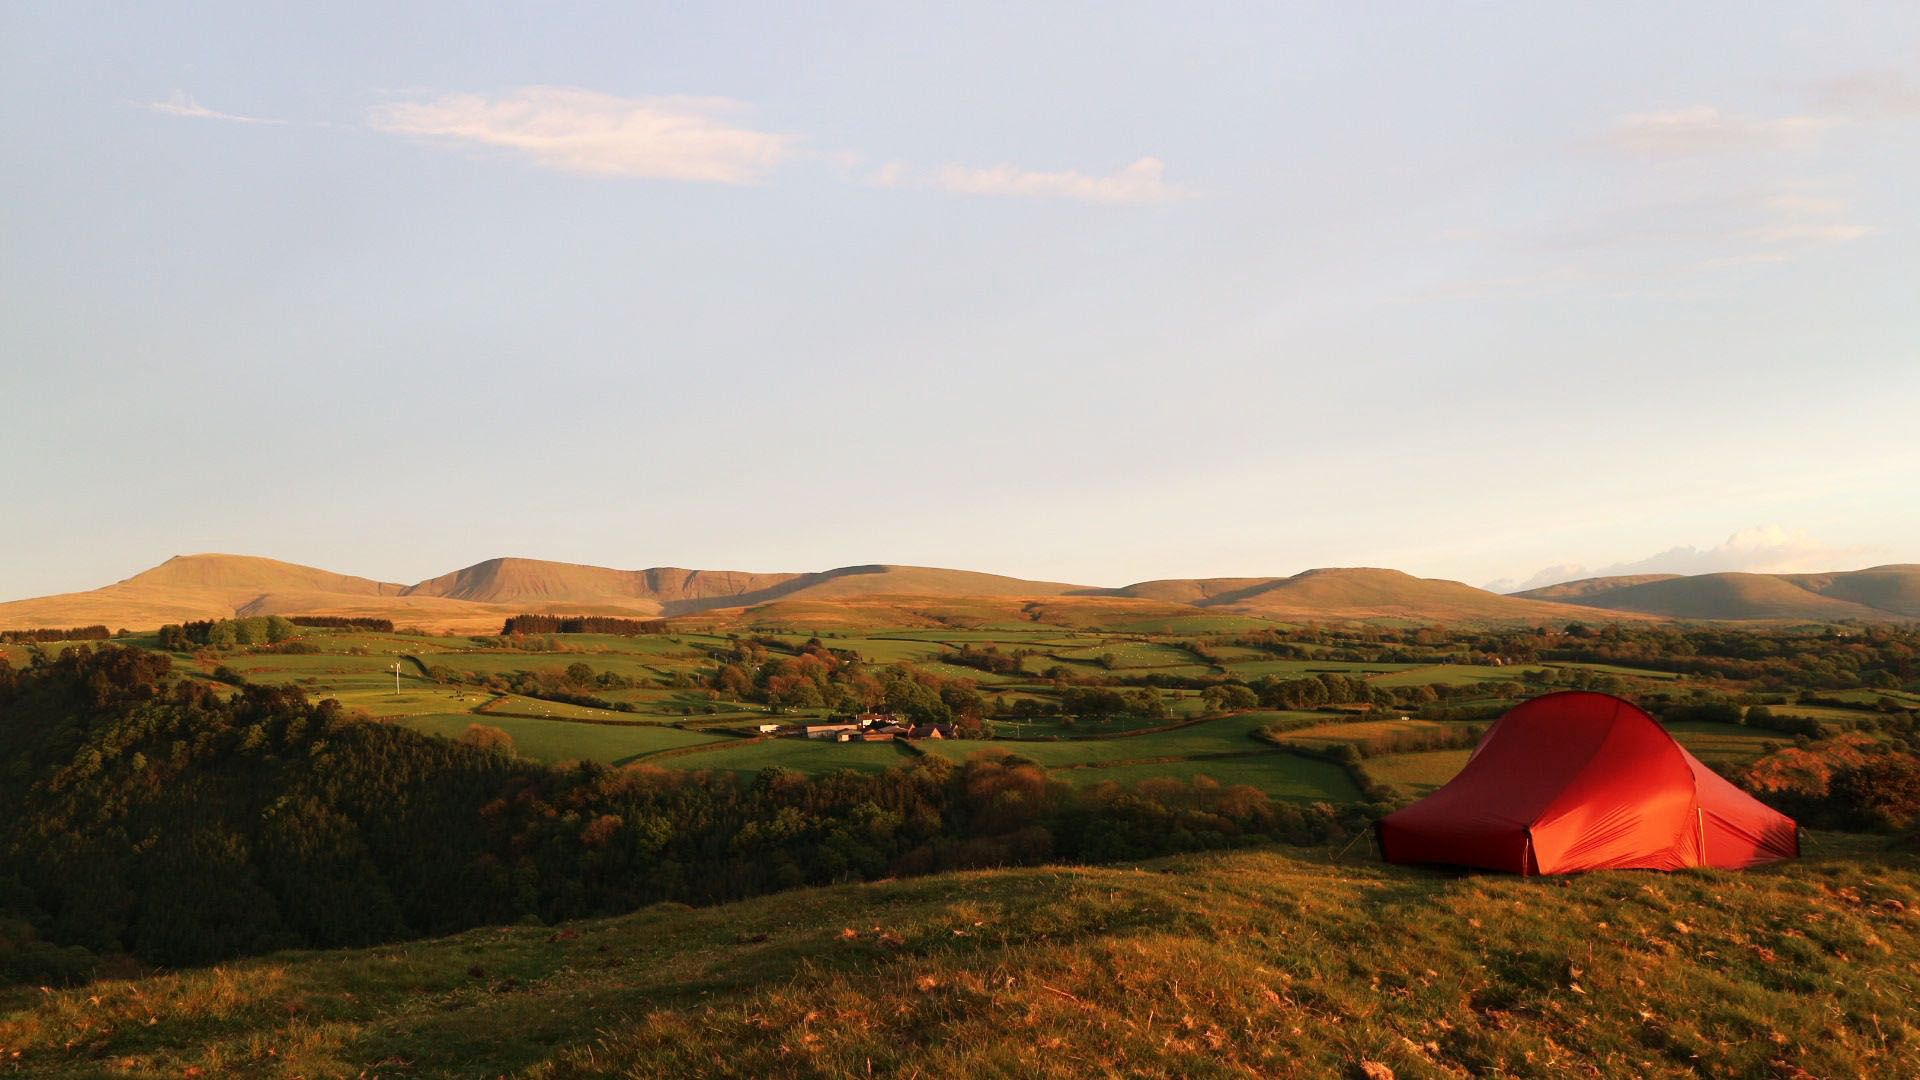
x,y
1700,818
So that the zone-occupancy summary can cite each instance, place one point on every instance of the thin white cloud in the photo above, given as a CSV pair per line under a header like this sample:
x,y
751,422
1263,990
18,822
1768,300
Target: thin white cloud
x,y
1141,182
181,104
1764,549
1704,129
595,134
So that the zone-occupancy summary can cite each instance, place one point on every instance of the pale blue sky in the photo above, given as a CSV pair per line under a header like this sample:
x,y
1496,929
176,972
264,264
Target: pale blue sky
x,y
1094,292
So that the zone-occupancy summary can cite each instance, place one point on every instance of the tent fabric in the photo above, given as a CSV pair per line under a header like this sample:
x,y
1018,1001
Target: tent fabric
x,y
1580,781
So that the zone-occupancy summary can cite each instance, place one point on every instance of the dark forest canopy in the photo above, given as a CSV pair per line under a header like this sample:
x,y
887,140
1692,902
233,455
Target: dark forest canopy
x,y
581,624
144,814
77,633
342,622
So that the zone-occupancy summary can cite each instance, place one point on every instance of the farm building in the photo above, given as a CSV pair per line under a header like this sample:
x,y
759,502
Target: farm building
x,y
829,731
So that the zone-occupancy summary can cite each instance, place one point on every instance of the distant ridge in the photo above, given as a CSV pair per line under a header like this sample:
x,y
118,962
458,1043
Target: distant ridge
x,y
1349,592
478,597
1876,593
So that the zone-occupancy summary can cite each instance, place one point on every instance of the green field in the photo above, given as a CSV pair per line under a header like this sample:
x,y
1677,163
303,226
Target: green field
x,y
1419,774
1132,654
1279,774
1615,669
556,740
805,755
1723,746
1450,675
1226,734
1325,735
1294,669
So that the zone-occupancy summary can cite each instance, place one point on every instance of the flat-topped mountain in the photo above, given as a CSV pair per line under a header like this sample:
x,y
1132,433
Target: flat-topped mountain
x,y
478,597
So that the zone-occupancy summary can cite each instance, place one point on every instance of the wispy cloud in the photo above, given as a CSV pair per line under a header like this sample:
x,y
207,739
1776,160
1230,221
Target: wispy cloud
x,y
1805,233
1141,182
1763,549
180,104
595,134
1705,129
1800,218
1870,92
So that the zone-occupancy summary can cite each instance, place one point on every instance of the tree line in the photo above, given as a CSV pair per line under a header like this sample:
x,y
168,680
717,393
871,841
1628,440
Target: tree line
x,y
581,624
226,633
77,633
343,622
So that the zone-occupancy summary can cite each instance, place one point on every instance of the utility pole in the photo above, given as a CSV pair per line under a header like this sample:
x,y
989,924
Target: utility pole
x,y
396,676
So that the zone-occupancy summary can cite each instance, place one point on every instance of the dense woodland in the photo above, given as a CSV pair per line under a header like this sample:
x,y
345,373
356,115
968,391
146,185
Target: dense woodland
x,y
146,815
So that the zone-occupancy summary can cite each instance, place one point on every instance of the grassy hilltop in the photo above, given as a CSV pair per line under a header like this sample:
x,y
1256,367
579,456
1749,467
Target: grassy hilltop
x,y
1244,964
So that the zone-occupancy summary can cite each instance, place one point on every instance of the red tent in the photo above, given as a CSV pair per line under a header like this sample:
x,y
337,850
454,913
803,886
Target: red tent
x,y
1579,781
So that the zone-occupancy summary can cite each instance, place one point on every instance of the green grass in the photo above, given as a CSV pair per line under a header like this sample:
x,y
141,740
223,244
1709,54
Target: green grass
x,y
1869,698
1294,669
1226,734
557,740
1820,712
1615,669
1281,775
1419,774
1449,675
1332,734
804,755
1259,963
1724,746
414,698
1132,654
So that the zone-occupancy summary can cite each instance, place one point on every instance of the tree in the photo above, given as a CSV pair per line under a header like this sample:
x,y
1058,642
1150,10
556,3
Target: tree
x,y
487,737
1225,697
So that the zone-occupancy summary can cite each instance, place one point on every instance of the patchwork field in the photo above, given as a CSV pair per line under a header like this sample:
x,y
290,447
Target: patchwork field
x,y
657,687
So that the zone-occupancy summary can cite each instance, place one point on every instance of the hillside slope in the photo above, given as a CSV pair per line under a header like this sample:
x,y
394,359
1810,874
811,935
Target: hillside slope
x,y
207,586
476,598
1876,594
1593,586
1259,963
1347,593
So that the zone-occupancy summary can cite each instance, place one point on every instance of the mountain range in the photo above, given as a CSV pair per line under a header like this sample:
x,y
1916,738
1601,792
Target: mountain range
x,y
478,597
